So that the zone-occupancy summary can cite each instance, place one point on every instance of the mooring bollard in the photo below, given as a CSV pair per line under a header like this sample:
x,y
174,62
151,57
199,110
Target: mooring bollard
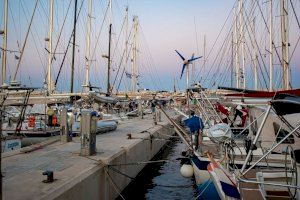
x,y
64,127
155,117
140,109
159,115
88,134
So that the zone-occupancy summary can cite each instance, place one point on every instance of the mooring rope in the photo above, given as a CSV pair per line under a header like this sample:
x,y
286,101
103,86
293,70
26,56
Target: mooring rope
x,y
159,185
118,190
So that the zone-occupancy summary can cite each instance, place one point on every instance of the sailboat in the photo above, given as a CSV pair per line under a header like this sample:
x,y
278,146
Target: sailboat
x,y
267,144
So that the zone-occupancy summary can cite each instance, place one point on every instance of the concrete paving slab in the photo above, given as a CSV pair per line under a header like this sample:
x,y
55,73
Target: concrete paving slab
x,y
23,171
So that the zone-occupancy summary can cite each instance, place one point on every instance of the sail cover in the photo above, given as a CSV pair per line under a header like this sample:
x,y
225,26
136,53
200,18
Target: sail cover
x,y
284,104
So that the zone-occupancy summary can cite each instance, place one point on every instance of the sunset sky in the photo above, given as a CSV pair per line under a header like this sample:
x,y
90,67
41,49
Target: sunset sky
x,y
165,25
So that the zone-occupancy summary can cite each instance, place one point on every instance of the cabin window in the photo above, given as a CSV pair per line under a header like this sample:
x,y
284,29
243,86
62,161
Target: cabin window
x,y
282,133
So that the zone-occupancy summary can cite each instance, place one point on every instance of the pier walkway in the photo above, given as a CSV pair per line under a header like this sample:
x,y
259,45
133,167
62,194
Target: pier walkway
x,y
78,177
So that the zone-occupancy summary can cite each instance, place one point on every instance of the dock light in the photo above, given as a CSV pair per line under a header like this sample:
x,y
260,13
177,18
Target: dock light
x,y
105,56
47,39
1,32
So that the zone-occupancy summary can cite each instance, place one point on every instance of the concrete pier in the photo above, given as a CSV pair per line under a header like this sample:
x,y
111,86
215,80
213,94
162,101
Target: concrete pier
x,y
85,177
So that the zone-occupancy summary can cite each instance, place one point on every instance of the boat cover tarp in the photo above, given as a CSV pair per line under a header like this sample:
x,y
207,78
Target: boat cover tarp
x,y
219,132
285,104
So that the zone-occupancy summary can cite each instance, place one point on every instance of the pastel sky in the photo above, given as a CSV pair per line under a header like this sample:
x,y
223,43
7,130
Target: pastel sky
x,y
164,25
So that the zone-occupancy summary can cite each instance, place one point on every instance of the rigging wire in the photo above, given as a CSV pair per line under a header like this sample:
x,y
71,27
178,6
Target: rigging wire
x,y
66,51
213,46
33,36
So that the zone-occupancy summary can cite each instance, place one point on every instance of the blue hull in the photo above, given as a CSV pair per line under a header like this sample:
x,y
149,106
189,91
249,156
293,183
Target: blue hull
x,y
207,190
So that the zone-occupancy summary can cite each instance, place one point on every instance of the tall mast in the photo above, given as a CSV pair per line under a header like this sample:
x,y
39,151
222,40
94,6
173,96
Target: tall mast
x,y
243,78
255,60
87,51
109,49
232,60
134,59
237,57
126,44
108,62
49,73
271,44
204,53
73,49
285,46
4,44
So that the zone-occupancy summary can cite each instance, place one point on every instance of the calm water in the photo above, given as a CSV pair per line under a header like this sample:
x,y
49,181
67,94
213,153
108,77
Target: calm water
x,y
163,180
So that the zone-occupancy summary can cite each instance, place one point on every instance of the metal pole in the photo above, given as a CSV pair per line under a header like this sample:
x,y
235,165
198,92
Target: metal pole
x,y
204,52
248,126
109,61
73,50
4,51
255,58
242,42
134,59
177,129
266,183
274,147
271,44
49,78
285,46
126,47
231,77
87,55
256,137
237,57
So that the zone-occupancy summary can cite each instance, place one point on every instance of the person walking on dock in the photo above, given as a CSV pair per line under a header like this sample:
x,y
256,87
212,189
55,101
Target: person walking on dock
x,y
196,126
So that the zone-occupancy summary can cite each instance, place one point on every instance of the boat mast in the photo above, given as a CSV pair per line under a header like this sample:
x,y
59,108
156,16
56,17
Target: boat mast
x,y
4,50
231,69
204,52
285,45
109,49
73,49
255,60
271,44
134,59
87,50
126,44
237,57
49,77
243,73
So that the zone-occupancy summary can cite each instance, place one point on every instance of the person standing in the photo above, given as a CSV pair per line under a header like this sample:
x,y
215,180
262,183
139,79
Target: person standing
x,y
153,104
196,126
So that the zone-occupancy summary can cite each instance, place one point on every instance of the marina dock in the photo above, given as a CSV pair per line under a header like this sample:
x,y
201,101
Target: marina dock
x,y
100,176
